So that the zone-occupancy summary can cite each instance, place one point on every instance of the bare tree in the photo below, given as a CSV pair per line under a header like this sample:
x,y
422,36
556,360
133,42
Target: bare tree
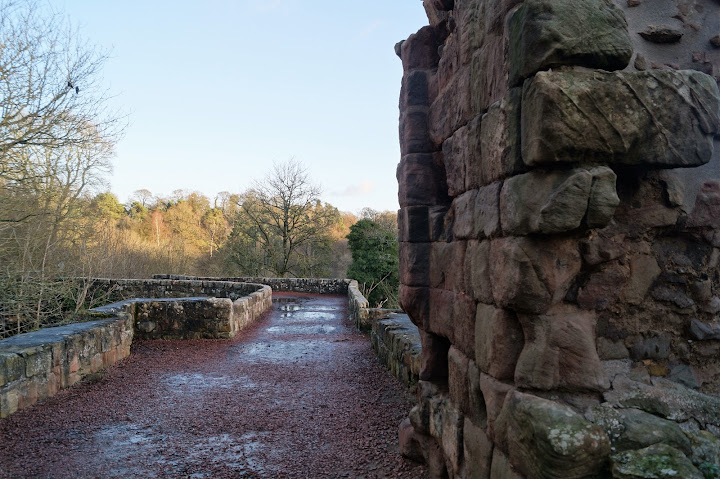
x,y
56,137
283,218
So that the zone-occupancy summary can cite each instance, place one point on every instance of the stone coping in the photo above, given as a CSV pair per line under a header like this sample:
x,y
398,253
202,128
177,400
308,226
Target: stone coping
x,y
396,341
296,285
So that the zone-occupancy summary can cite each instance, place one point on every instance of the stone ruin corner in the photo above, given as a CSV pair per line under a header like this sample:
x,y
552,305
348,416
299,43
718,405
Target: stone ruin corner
x,y
560,237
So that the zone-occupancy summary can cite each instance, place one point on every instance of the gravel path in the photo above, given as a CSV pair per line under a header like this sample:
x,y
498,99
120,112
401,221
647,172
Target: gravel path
x,y
299,394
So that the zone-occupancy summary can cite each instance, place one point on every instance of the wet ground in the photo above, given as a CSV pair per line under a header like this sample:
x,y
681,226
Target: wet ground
x,y
299,394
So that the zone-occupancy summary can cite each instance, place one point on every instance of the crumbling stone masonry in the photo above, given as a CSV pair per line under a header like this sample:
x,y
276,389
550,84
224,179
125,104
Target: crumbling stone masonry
x,y
560,237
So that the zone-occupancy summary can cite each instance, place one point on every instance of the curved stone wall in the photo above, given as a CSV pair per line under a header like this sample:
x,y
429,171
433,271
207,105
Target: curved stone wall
x,y
36,365
559,223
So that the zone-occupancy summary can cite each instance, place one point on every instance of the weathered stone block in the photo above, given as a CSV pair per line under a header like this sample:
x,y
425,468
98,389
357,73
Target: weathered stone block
x,y
548,439
530,274
706,212
478,451
415,301
413,224
409,445
434,357
498,341
414,263
455,152
478,410
500,139
464,324
501,467
414,90
441,223
659,118
550,33
470,27
420,50
489,72
604,287
634,429
560,352
452,108
477,271
38,360
658,460
458,380
477,213
447,263
12,367
442,306
495,393
420,181
539,202
414,132
446,425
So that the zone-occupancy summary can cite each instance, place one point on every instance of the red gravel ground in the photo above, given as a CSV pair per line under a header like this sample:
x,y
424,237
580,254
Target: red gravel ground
x,y
299,394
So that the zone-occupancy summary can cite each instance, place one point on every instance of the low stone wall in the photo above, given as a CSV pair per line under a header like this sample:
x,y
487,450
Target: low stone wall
x,y
192,318
177,287
396,341
35,366
296,285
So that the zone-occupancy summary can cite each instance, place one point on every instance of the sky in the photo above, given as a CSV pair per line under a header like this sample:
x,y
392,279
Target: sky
x,y
218,90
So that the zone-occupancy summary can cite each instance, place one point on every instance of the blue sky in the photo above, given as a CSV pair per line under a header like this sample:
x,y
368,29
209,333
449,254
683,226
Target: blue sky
x,y
217,90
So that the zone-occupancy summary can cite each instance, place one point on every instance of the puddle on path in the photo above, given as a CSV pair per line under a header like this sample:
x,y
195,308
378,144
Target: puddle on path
x,y
196,381
321,329
188,456
283,351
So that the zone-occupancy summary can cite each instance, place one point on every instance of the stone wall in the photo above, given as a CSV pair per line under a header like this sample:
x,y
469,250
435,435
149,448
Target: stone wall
x,y
194,318
35,366
560,237
396,342
297,285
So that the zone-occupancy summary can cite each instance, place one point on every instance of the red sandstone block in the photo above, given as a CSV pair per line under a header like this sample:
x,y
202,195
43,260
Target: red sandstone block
x,y
457,379
464,324
420,181
449,62
489,73
440,220
414,263
414,131
420,50
447,263
416,304
454,154
452,108
434,357
413,224
415,89
442,305
498,341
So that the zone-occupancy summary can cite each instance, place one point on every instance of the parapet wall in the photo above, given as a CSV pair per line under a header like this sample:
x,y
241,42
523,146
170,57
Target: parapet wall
x,y
36,365
560,236
297,285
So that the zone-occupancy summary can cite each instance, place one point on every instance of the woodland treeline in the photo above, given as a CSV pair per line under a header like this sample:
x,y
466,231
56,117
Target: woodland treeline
x,y
60,228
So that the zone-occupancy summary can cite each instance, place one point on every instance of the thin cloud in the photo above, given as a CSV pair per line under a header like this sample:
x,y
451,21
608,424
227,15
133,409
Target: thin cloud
x,y
364,188
370,29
